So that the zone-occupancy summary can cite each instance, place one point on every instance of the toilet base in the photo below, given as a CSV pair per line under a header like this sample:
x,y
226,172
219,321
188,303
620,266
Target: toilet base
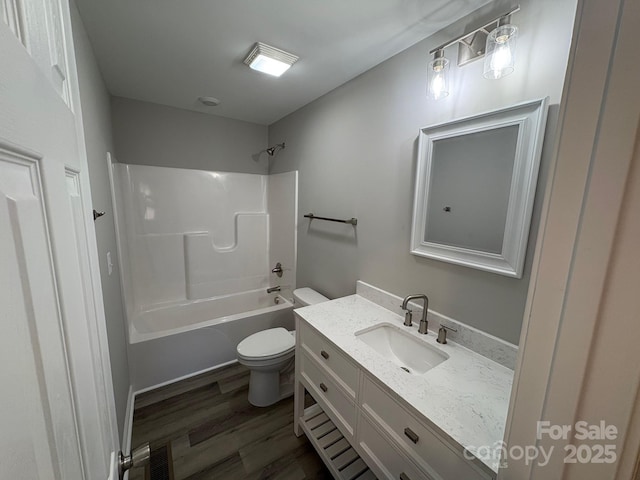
x,y
269,387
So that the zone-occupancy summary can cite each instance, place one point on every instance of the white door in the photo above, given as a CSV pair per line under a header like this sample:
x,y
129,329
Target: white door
x,y
57,418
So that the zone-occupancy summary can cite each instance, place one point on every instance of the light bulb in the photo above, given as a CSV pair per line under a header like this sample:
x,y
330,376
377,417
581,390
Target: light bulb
x,y
437,77
500,60
437,86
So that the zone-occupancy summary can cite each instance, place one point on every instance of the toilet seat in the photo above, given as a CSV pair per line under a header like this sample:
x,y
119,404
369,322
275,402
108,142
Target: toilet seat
x,y
267,344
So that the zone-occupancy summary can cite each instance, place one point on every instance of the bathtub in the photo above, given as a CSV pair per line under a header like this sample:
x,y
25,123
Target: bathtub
x,y
179,340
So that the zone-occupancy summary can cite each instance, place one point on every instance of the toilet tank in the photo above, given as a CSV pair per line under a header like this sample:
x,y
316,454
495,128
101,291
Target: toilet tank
x,y
307,296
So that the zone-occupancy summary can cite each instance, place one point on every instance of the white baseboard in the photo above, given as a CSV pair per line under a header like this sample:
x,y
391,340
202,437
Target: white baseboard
x,y
128,421
184,377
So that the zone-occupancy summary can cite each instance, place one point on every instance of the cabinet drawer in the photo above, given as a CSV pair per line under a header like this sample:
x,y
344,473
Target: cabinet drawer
x,y
329,356
422,445
385,460
329,395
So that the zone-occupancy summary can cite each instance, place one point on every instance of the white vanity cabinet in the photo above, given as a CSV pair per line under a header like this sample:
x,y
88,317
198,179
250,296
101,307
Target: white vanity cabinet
x,y
436,458
371,421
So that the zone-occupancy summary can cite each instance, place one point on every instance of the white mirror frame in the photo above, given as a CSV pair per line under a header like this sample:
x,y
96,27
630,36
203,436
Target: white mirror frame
x,y
531,117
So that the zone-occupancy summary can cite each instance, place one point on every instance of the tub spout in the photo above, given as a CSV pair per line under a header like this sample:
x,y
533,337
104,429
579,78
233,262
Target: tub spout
x,y
273,289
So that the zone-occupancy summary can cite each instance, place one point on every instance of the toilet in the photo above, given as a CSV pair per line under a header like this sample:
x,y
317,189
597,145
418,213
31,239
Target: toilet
x,y
269,355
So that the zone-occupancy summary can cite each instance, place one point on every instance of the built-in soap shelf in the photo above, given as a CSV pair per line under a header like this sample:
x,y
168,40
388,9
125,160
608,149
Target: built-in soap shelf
x,y
336,452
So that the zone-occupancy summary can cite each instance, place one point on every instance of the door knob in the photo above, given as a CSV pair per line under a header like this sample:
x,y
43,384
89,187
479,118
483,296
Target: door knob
x,y
137,458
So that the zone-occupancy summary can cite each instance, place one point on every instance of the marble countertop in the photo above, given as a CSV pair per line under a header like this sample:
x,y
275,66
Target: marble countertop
x,y
465,398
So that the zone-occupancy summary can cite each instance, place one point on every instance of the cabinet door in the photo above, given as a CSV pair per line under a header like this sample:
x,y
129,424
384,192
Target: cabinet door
x,y
384,458
331,358
331,397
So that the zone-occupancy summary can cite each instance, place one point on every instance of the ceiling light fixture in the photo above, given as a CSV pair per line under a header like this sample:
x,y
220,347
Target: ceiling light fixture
x,y
497,46
209,101
270,60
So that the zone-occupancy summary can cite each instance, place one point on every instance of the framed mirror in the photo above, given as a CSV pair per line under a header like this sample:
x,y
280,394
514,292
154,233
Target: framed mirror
x,y
475,185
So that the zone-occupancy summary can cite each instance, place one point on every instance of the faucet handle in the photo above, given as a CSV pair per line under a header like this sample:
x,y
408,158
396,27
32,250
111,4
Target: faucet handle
x,y
442,333
277,269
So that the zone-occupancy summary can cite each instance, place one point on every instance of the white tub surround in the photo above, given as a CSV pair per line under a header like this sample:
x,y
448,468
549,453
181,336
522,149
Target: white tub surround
x,y
196,250
186,235
463,401
282,205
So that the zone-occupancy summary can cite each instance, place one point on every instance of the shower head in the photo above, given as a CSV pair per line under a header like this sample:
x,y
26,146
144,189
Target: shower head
x,y
271,151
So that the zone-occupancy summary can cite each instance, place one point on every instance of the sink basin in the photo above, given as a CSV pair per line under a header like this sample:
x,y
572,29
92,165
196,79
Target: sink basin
x,y
409,353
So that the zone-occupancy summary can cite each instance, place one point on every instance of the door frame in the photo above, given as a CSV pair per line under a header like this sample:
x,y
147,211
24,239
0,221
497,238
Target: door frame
x,y
97,330
40,92
569,320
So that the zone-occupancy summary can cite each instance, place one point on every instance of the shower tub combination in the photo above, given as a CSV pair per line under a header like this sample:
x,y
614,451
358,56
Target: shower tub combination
x,y
196,250
173,342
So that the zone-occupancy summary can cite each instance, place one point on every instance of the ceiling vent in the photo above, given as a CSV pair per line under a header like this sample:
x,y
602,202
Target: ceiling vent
x,y
270,60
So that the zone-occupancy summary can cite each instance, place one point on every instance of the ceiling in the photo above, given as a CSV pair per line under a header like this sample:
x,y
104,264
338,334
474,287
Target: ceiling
x,y
171,52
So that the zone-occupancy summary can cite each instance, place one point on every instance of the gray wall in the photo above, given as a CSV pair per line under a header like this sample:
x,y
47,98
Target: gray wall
x,y
96,117
150,134
356,148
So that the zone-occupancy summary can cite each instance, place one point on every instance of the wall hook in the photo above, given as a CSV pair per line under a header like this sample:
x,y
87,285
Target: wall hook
x,y
97,214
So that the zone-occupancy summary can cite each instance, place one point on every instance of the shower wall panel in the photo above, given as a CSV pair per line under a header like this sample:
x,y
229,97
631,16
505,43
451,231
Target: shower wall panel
x,y
190,234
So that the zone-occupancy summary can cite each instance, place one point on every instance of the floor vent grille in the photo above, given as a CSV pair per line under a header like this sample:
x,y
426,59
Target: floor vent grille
x,y
160,464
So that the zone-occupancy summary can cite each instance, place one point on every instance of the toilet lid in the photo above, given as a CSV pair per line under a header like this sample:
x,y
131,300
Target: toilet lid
x,y
308,296
267,343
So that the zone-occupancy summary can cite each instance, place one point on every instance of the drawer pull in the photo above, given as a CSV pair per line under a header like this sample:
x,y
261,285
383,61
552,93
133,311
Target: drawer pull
x,y
324,354
411,434
323,387
404,476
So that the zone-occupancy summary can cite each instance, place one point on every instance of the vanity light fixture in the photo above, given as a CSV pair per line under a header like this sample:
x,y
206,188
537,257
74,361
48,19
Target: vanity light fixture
x,y
495,41
270,60
438,76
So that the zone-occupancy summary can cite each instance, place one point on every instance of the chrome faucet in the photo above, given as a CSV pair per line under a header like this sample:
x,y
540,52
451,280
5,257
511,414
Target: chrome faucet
x,y
407,316
273,289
